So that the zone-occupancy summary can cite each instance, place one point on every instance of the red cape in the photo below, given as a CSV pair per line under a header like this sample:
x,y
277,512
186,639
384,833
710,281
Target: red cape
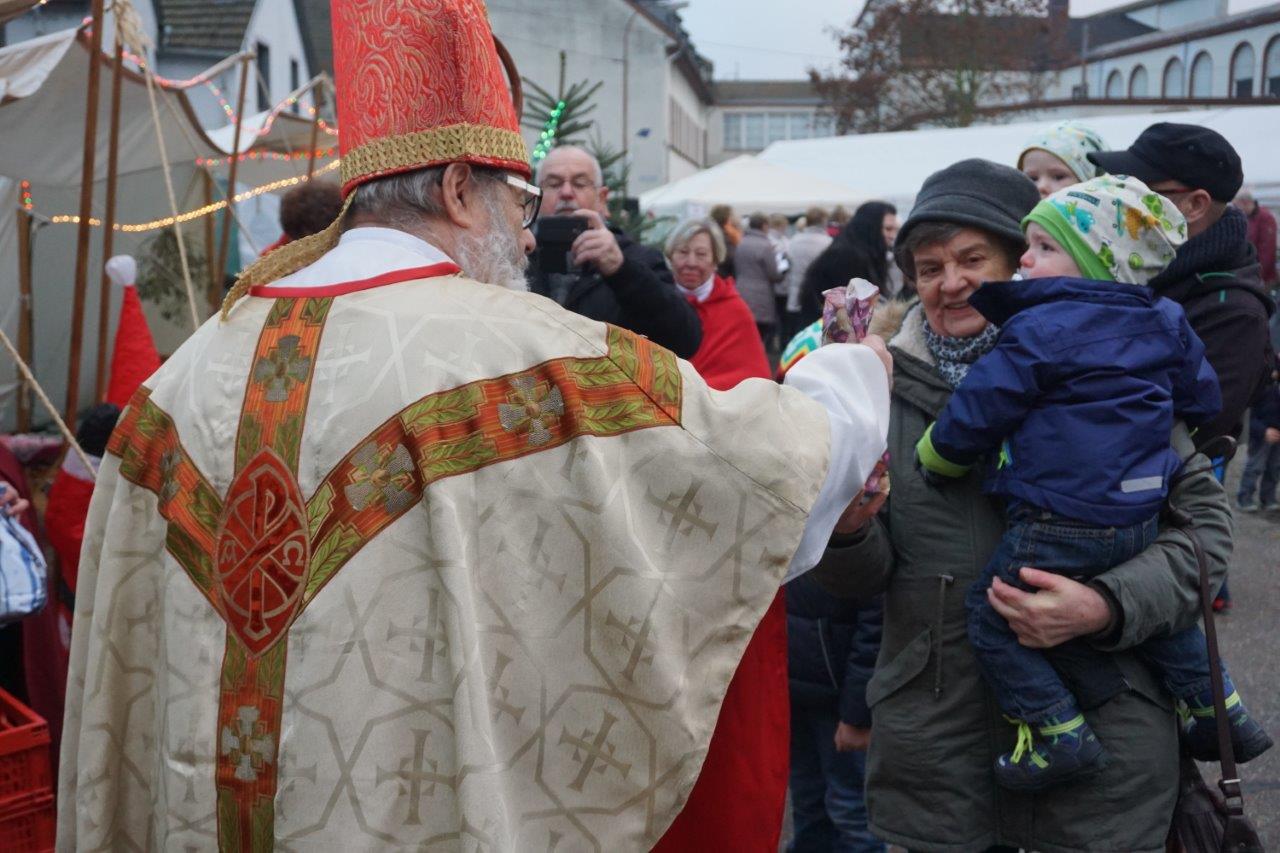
x,y
738,800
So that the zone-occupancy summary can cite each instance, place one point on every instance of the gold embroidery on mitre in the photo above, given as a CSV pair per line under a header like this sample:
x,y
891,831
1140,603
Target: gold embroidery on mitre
x,y
425,148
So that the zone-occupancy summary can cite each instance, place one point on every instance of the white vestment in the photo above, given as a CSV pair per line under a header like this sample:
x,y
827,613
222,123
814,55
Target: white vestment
x,y
428,563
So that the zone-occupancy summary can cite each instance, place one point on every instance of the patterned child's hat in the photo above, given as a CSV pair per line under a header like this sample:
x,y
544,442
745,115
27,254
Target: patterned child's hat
x,y
1114,227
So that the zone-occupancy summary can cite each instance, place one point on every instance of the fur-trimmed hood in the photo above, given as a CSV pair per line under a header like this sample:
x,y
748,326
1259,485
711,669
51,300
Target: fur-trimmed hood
x,y
901,324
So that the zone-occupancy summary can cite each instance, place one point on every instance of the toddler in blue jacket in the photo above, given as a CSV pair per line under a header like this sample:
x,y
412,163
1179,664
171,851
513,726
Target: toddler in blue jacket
x,y
1079,396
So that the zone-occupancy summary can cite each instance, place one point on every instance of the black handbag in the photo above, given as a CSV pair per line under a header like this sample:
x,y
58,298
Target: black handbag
x,y
1205,820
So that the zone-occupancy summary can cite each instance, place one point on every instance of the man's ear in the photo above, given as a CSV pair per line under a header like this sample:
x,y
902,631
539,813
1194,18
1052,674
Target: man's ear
x,y
1199,205
602,202
458,196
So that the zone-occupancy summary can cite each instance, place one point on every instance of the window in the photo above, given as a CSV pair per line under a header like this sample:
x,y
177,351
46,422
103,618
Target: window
x,y
1271,68
753,131
295,80
732,131
776,128
1172,87
1242,72
1138,82
1115,85
264,69
801,125
1202,76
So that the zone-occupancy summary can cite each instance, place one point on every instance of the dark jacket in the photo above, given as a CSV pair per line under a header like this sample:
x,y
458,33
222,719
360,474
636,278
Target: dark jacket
x,y
832,645
1216,279
1265,415
844,259
936,727
1079,395
642,297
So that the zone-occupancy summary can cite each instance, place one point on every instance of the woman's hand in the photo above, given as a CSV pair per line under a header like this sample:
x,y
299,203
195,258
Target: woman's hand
x,y
852,738
859,512
876,344
1059,610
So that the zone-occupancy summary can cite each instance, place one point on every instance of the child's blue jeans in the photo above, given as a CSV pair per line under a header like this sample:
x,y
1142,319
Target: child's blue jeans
x,y
1026,685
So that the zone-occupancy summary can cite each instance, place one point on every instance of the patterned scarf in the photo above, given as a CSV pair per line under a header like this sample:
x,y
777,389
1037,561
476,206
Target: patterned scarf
x,y
956,355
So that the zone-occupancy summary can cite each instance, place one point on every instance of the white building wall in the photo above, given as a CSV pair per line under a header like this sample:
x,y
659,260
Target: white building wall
x,y
1220,48
590,32
275,24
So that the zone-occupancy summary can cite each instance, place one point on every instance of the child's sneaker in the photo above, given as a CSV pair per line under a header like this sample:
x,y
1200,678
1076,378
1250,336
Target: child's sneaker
x,y
1248,738
1059,751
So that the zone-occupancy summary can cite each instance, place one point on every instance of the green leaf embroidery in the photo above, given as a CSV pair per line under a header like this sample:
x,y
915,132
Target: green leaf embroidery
x,y
206,507
330,554
318,508
228,825
271,668
457,457
444,408
234,663
279,312
617,416
263,828
622,349
666,379
197,563
151,421
314,311
288,440
596,373
249,440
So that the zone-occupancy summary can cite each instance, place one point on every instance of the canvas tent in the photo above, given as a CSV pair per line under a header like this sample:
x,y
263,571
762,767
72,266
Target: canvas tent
x,y
748,184
892,166
42,85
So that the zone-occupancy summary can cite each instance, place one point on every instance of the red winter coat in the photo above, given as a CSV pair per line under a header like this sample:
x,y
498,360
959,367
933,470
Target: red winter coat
x,y
1262,234
738,800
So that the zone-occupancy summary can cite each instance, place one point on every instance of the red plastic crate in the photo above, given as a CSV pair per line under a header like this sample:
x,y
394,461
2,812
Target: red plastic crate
x,y
24,755
27,825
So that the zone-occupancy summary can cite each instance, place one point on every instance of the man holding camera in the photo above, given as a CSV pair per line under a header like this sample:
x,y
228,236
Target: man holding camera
x,y
598,271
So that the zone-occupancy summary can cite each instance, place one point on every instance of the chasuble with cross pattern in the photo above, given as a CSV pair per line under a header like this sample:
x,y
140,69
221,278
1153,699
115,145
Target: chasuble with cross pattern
x,y
418,562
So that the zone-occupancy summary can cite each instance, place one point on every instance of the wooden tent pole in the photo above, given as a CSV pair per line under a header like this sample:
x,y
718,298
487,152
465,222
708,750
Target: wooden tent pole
x,y
109,219
225,242
213,288
86,204
316,100
24,313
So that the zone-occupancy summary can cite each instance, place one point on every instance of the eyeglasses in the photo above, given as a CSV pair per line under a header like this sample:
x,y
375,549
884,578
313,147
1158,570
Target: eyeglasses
x,y
532,198
580,183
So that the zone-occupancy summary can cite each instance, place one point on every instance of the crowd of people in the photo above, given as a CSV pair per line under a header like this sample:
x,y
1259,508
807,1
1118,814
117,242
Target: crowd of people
x,y
629,599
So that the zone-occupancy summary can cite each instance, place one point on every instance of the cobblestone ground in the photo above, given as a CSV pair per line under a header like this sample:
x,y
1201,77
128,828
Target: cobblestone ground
x,y
1250,638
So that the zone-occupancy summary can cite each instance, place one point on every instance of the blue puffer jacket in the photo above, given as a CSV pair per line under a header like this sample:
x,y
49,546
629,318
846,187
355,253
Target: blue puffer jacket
x,y
832,645
1080,395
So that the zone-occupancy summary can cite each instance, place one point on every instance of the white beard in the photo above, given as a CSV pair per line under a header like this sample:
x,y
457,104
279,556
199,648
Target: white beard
x,y
494,257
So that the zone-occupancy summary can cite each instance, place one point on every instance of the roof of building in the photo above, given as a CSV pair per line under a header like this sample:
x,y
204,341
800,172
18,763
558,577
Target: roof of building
x,y
1103,29
765,93
317,34
1176,35
214,27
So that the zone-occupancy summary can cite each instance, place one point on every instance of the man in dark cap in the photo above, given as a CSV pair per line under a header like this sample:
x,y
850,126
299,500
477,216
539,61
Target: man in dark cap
x,y
1215,276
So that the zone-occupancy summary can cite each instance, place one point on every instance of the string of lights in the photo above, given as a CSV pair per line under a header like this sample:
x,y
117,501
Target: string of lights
x,y
28,204
168,221
286,157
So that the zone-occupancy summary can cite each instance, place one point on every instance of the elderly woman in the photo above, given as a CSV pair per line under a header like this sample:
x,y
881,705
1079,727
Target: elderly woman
x,y
936,730
1057,157
731,350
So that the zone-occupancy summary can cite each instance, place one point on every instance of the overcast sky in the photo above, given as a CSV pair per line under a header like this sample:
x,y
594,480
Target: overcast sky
x,y
779,39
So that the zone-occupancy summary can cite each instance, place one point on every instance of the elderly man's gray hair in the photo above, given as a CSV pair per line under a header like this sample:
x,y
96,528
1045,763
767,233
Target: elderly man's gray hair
x,y
690,228
598,173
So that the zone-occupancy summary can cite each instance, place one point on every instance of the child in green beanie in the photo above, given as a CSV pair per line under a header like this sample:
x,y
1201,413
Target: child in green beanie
x,y
1079,396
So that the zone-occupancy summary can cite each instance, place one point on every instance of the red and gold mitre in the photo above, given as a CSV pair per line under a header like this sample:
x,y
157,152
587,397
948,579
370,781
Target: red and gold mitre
x,y
420,83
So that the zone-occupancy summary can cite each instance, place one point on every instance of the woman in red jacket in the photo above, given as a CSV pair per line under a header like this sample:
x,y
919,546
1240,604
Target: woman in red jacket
x,y
738,800
731,350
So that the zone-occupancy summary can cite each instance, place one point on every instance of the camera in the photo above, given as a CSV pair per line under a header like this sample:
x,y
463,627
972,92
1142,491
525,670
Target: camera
x,y
555,234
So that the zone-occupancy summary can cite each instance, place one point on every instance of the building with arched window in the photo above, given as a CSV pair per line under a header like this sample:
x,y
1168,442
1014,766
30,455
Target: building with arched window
x,y
1197,50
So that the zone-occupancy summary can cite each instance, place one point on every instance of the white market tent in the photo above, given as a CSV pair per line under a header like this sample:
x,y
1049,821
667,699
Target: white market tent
x,y
748,184
42,86
892,166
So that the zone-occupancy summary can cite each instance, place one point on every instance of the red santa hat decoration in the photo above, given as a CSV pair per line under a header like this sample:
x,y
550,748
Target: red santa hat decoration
x,y
418,85
134,357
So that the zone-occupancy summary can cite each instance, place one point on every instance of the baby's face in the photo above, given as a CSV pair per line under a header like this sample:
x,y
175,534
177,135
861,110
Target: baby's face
x,y
1047,171
1045,258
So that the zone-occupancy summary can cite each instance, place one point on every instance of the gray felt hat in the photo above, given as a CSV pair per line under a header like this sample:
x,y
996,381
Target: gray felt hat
x,y
977,193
